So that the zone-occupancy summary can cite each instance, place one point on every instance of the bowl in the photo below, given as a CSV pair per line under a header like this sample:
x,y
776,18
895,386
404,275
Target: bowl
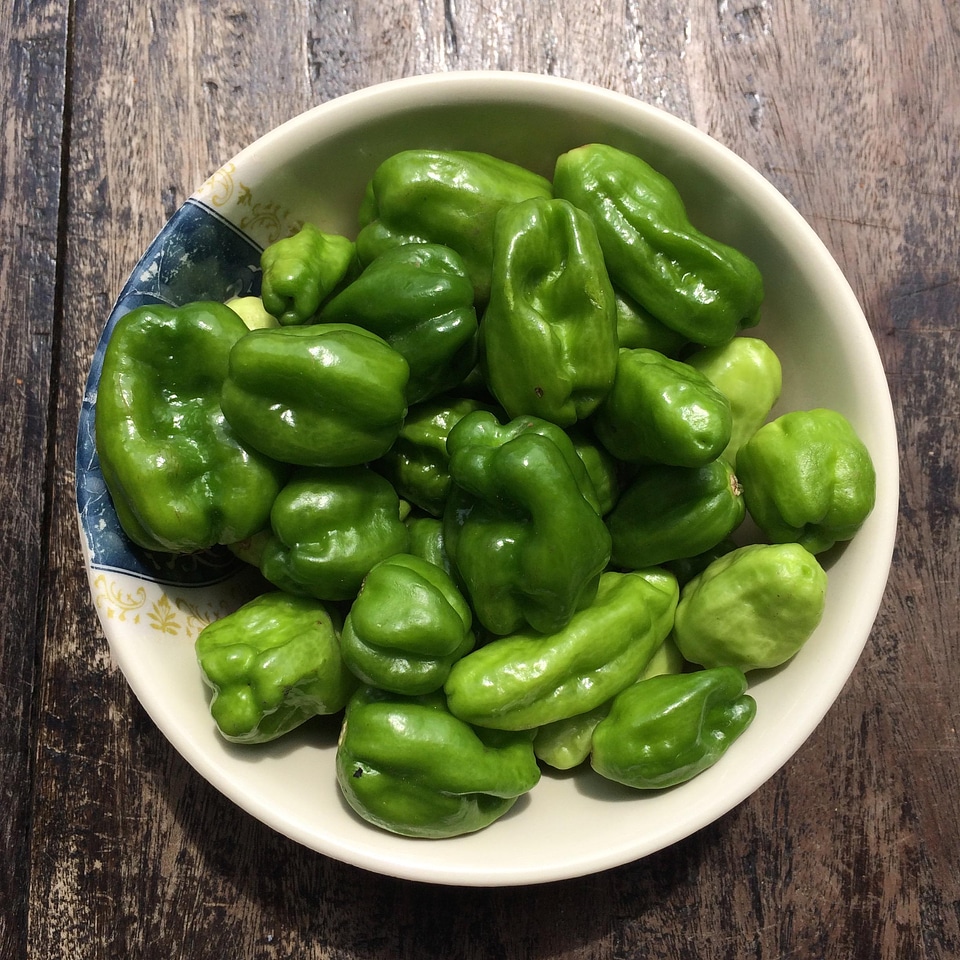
x,y
314,168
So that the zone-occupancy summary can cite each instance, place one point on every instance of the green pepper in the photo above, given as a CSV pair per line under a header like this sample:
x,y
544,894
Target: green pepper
x,y
808,478
747,372
272,665
417,464
426,541
549,333
301,271
666,730
330,527
603,469
528,679
179,476
407,765
407,627
752,608
661,410
521,525
419,298
696,285
323,395
637,327
672,512
450,197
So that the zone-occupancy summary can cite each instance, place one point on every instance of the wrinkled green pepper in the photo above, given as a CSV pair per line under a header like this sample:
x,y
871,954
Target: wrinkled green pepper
x,y
272,665
603,469
672,512
752,608
300,272
808,478
661,410
637,327
417,464
748,373
450,197
322,395
549,333
180,478
407,627
666,730
692,283
419,298
521,525
329,528
407,765
528,679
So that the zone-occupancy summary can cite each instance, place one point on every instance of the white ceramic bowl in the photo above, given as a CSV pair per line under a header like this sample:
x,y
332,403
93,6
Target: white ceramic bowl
x,y
315,168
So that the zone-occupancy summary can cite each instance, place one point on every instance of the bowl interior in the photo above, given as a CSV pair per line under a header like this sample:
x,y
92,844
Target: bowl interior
x,y
315,168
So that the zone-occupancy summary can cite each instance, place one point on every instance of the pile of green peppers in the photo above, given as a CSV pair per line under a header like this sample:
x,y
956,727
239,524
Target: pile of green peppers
x,y
492,459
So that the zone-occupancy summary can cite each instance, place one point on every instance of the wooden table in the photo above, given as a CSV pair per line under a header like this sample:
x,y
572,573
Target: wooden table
x,y
112,114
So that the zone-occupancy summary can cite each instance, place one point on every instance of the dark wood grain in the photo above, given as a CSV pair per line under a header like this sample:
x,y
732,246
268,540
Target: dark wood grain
x,y
113,114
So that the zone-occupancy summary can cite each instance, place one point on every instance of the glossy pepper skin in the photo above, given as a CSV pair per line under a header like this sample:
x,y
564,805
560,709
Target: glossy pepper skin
x,y
329,528
521,525
661,410
180,478
321,395
637,327
748,373
666,730
426,541
272,665
693,284
549,333
752,608
417,464
528,679
407,765
419,299
450,197
668,513
407,627
300,272
808,478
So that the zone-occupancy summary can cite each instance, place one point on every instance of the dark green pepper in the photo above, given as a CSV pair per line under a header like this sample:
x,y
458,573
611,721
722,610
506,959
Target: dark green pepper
x,y
179,476
407,627
324,395
637,327
301,271
521,525
450,197
666,730
549,333
426,541
272,665
603,469
329,528
407,765
661,410
419,298
672,512
808,478
698,286
528,679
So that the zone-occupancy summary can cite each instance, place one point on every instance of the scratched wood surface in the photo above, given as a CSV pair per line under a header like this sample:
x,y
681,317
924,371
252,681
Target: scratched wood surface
x,y
112,113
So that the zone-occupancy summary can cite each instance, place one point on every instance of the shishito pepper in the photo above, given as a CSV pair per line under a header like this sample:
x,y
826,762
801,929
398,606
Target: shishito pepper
x,y
272,665
521,524
661,410
322,395
549,333
692,283
528,678
666,730
329,528
808,478
180,478
450,197
408,625
301,271
419,298
407,765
